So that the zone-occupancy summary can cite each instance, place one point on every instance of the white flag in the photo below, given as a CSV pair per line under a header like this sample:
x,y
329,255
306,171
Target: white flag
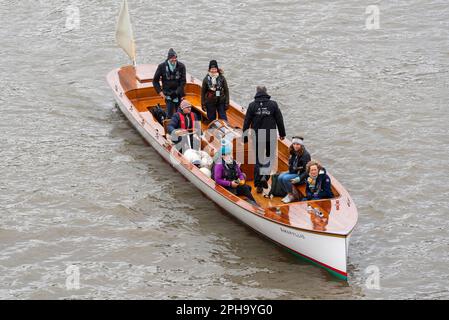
x,y
124,32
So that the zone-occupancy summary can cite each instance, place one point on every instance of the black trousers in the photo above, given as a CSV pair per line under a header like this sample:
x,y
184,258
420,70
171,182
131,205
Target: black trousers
x,y
261,163
172,108
212,107
244,190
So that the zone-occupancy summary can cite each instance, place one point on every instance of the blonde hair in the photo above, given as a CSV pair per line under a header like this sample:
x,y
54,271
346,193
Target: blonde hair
x,y
313,163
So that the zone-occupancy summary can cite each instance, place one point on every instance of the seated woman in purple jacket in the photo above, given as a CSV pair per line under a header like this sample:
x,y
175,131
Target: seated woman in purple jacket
x,y
227,174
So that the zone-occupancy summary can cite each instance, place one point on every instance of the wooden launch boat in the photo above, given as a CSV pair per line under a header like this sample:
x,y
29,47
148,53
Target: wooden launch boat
x,y
317,231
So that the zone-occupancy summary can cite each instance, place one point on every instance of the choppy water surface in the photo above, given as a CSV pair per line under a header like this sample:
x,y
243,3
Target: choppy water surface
x,y
79,186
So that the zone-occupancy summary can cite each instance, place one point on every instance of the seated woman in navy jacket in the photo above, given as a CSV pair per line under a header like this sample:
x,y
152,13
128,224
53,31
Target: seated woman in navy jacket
x,y
318,183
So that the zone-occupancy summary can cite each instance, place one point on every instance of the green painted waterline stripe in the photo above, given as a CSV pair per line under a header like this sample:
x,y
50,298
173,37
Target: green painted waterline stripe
x,y
335,274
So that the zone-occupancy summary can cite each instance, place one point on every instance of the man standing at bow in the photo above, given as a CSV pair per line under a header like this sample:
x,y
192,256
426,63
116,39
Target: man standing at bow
x,y
172,73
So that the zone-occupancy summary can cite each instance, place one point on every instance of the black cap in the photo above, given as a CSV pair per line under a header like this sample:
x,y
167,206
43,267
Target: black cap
x,y
213,64
171,53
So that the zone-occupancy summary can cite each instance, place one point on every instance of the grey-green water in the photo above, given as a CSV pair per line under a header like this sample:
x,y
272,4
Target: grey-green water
x,y
78,186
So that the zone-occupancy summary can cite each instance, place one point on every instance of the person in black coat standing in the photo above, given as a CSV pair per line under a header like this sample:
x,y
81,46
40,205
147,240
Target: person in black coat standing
x,y
264,117
215,93
172,73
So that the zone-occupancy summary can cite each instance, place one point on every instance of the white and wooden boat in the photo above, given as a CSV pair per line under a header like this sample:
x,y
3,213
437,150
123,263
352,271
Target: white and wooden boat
x,y
318,231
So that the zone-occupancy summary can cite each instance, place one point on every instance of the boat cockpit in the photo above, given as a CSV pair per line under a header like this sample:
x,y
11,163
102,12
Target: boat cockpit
x,y
145,100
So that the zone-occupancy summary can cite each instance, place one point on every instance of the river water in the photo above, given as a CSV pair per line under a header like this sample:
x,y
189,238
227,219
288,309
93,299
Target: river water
x,y
79,186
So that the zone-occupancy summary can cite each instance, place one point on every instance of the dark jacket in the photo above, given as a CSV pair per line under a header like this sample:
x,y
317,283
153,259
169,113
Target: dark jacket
x,y
297,164
264,113
323,187
172,82
208,96
175,123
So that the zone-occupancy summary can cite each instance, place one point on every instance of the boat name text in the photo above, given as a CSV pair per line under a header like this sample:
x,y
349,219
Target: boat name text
x,y
297,235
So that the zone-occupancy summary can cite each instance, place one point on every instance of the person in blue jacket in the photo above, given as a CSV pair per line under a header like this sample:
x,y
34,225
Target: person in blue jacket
x,y
318,183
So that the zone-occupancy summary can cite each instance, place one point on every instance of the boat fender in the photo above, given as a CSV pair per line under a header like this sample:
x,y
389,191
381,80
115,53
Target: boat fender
x,y
206,171
206,160
192,156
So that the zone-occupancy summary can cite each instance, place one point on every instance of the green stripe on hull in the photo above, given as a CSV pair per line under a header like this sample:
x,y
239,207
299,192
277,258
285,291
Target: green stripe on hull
x,y
335,274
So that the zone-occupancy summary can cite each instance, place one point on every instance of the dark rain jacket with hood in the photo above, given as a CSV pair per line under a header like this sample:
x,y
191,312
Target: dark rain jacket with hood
x,y
264,113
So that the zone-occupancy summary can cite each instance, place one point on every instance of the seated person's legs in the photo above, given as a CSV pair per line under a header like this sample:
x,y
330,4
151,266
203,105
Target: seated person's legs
x,y
284,179
287,186
245,190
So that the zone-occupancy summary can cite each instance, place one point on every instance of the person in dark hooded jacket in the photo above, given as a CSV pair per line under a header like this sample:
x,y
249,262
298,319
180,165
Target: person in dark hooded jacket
x,y
264,117
172,73
318,183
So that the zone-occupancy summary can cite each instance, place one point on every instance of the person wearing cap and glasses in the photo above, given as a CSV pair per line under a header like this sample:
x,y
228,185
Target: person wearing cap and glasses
x,y
183,125
172,73
215,93
296,174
